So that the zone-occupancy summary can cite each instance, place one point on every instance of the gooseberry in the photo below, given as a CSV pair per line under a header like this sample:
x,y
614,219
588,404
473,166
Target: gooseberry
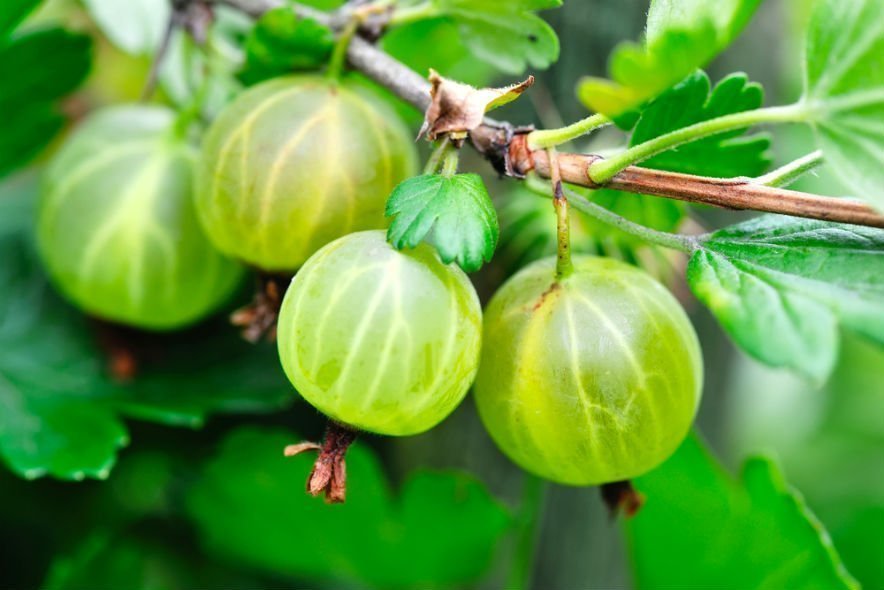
x,y
589,379
380,340
297,162
117,228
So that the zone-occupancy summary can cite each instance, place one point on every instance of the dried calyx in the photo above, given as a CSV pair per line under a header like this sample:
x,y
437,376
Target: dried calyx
x,y
329,475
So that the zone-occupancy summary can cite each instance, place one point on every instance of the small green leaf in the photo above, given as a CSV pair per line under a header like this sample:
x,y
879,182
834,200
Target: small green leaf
x,y
700,528
137,29
693,101
44,65
454,214
780,287
61,412
441,530
12,12
507,35
680,37
845,91
281,42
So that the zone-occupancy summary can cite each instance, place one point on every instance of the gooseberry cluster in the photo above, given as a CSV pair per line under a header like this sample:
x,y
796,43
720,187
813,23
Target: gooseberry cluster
x,y
583,379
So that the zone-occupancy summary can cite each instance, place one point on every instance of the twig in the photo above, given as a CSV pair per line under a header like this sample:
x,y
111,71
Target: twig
x,y
504,146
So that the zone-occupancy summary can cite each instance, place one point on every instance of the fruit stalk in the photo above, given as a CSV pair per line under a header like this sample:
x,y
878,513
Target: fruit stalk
x,y
564,266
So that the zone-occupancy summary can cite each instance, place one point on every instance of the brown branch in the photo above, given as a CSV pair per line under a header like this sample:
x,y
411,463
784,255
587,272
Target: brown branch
x,y
506,147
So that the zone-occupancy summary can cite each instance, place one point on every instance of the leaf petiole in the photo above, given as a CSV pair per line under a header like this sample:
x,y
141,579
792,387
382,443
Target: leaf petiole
x,y
789,173
410,14
602,171
547,138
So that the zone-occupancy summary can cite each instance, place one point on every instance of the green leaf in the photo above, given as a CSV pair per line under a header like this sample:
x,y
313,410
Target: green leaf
x,y
845,91
441,49
61,412
680,37
250,504
281,42
137,30
781,286
700,528
693,101
454,214
40,68
507,35
12,12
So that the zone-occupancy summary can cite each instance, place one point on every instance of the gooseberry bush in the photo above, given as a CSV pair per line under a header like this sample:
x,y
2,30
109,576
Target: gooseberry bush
x,y
550,274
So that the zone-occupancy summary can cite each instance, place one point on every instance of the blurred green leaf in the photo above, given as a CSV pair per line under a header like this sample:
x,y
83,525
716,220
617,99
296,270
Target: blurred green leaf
x,y
440,49
508,35
38,68
137,29
60,409
681,36
281,42
12,12
693,101
453,213
780,287
250,505
845,91
700,528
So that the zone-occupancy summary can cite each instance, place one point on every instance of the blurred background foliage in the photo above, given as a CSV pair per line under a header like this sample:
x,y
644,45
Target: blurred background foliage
x,y
213,504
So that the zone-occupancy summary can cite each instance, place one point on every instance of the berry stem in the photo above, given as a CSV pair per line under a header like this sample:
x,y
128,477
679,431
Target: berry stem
x,y
564,266
339,54
438,155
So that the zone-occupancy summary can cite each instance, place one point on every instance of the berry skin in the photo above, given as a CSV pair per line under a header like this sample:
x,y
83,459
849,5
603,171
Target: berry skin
x,y
589,380
378,339
297,162
116,225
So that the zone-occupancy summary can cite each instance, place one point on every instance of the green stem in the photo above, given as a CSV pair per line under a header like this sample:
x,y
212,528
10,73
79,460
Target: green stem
x,y
564,264
339,55
438,154
529,518
450,161
667,240
789,173
410,14
602,171
547,138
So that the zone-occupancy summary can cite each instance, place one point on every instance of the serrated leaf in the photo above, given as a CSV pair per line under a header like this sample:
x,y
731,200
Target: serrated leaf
x,y
507,35
40,68
680,37
12,12
137,29
441,529
781,286
454,214
692,101
280,42
700,528
61,413
845,91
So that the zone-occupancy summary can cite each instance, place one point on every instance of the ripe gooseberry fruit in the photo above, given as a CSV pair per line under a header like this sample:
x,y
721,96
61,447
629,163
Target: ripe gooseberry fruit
x,y
297,162
116,225
380,340
589,379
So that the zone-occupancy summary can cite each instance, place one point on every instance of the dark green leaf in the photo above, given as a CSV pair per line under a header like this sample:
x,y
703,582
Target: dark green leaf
x,y
700,528
454,214
12,12
780,287
281,42
507,35
39,68
681,37
60,411
137,29
845,91
250,505
692,101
